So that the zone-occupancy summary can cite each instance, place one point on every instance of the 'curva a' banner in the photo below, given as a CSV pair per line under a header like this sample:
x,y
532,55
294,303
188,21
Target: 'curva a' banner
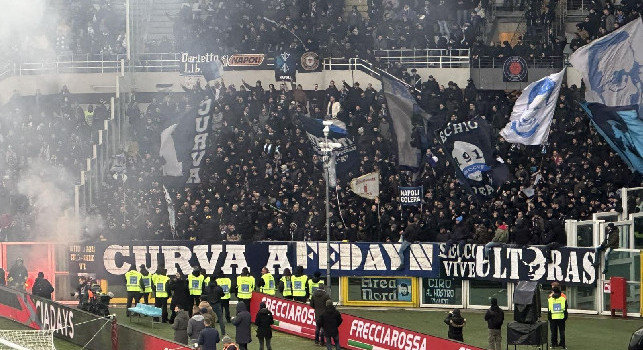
x,y
76,326
111,261
573,266
354,333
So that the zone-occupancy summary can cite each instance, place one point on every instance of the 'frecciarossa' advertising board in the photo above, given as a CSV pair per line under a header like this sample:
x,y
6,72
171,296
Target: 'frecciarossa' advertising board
x,y
354,333
76,326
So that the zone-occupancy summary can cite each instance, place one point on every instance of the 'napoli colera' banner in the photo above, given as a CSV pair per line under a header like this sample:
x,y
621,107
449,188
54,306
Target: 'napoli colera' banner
x,y
369,259
111,261
355,333
572,266
411,195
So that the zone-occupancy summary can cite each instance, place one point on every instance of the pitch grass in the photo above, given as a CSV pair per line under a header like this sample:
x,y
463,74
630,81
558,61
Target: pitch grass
x,y
583,332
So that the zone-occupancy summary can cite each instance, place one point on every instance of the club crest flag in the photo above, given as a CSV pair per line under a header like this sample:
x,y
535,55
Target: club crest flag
x,y
367,186
533,112
611,67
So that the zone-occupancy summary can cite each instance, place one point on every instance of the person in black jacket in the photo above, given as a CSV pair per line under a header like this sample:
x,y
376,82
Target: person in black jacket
x,y
42,287
180,295
214,293
456,323
263,320
330,321
242,322
495,317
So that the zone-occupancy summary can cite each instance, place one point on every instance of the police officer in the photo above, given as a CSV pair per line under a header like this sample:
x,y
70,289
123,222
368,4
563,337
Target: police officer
x,y
285,284
314,283
160,286
245,286
267,282
226,284
134,285
195,284
300,285
146,279
557,316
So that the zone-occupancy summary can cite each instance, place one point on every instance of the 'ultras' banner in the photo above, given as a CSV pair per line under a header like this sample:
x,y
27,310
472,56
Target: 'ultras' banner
x,y
111,261
572,266
76,326
354,332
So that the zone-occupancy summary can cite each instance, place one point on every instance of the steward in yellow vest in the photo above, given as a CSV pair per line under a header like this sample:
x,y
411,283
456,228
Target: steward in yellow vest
x,y
300,285
146,281
226,284
314,283
195,285
267,282
160,286
245,286
557,307
285,284
133,284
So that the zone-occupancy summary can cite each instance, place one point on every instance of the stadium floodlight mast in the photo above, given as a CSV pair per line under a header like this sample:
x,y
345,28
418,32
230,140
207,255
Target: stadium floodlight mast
x,y
327,149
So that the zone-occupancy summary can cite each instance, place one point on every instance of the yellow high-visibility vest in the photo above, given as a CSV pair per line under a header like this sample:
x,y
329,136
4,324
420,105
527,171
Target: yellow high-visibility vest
x,y
225,284
160,284
557,307
268,284
245,286
195,284
287,281
313,286
147,283
299,286
133,281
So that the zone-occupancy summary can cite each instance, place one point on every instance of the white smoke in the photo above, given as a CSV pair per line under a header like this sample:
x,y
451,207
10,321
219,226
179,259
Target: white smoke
x,y
27,25
50,190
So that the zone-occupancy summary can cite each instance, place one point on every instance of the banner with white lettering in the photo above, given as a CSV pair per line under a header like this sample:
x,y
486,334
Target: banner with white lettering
x,y
571,266
185,142
369,259
193,63
355,333
111,261
411,195
346,156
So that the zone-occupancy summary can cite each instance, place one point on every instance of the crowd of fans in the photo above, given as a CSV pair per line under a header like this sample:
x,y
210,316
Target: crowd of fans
x,y
264,182
38,133
604,18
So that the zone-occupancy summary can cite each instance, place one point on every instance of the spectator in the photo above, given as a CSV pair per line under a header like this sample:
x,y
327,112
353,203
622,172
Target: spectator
x,y
610,243
263,321
456,325
242,322
42,287
209,337
495,318
180,325
196,324
330,321
318,302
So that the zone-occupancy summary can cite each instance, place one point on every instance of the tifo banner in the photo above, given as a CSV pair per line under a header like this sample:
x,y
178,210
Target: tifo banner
x,y
346,157
367,186
572,266
111,261
411,195
515,70
193,64
354,332
75,326
184,144
369,259
441,291
379,291
469,145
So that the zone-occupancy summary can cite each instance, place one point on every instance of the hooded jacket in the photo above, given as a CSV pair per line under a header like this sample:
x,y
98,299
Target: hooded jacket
x,y
195,326
456,322
180,327
263,320
318,302
330,321
495,317
242,322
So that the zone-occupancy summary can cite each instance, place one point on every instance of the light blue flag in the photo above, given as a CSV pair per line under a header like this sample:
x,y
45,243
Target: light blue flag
x,y
533,111
611,67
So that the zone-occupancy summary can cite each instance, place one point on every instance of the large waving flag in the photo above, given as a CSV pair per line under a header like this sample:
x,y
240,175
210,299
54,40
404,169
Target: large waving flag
x,y
401,107
533,112
611,69
367,186
622,128
611,66
346,157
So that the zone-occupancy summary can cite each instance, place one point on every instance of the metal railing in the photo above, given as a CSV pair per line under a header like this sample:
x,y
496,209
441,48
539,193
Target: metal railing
x,y
425,58
536,62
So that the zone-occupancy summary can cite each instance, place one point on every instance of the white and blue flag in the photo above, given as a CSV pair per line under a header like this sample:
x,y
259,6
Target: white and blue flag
x,y
611,70
533,112
611,67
